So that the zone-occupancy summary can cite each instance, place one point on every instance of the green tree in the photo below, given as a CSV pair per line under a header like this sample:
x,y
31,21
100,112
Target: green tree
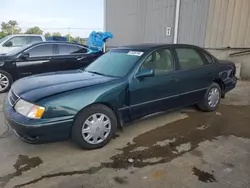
x,y
47,34
10,27
69,37
78,39
34,30
2,34
58,34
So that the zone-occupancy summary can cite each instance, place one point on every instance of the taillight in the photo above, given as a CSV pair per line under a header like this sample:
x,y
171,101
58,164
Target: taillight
x,y
233,70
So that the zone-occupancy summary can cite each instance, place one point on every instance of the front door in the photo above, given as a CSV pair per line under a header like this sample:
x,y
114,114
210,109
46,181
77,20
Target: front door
x,y
38,61
152,94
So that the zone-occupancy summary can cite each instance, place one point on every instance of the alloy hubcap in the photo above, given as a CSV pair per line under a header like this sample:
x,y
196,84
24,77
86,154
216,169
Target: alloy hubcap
x,y
4,82
213,97
96,128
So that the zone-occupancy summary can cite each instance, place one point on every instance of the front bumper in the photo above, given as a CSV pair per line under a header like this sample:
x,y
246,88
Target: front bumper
x,y
37,131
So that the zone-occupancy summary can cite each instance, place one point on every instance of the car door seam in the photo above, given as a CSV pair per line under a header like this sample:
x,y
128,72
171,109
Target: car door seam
x,y
164,98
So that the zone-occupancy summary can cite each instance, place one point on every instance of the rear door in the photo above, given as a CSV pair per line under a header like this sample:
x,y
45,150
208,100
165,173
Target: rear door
x,y
68,57
38,61
195,75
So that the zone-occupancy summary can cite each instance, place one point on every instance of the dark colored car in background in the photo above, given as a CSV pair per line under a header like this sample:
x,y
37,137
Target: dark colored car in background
x,y
41,58
122,85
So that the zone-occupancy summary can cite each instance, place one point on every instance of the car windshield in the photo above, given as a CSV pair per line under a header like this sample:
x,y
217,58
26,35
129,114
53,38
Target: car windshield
x,y
114,63
16,51
1,40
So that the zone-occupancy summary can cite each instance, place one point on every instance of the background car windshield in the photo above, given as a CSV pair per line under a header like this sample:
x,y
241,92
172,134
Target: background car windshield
x,y
115,63
1,40
18,50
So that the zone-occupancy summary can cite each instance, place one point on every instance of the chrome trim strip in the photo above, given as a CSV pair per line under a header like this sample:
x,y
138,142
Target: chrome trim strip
x,y
124,108
156,100
34,62
9,96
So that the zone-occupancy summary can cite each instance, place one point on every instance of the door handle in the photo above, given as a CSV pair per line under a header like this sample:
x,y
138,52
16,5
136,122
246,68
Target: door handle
x,y
174,80
80,58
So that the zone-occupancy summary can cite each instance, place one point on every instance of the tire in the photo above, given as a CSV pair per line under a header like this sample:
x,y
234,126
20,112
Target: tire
x,y
81,124
205,105
223,95
5,78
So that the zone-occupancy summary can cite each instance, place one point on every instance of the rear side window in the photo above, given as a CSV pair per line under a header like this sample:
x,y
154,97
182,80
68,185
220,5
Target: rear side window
x,y
189,58
81,50
65,49
41,50
34,39
208,58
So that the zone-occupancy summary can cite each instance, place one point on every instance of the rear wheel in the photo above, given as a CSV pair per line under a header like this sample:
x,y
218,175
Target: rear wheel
x,y
211,99
94,127
5,81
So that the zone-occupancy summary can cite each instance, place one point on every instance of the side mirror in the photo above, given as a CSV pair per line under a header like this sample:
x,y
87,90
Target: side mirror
x,y
24,55
8,44
145,73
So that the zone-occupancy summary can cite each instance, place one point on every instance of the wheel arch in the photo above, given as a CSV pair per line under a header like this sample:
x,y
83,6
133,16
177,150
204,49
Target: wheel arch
x,y
222,86
111,107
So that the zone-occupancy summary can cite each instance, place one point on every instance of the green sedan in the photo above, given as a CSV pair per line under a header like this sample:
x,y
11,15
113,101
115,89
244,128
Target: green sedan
x,y
123,85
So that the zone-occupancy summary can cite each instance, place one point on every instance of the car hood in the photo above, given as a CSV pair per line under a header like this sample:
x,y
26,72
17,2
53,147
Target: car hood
x,y
40,86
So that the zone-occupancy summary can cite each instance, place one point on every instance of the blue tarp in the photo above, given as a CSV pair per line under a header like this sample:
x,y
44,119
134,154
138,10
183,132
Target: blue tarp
x,y
97,40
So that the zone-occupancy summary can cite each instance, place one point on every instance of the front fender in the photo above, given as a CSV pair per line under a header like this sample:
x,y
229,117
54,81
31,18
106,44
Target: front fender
x,y
70,103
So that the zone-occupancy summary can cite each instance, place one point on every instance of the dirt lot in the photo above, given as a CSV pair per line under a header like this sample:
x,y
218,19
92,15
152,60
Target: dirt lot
x,y
185,148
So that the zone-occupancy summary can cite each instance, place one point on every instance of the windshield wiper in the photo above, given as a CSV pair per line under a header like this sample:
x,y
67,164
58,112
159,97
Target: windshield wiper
x,y
96,73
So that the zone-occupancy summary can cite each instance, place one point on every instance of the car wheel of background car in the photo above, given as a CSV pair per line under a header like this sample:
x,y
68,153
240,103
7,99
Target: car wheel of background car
x,y
5,81
212,99
94,126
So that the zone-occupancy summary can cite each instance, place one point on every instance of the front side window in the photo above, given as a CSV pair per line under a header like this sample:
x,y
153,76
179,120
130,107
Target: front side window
x,y
16,41
115,63
161,61
41,50
65,49
189,58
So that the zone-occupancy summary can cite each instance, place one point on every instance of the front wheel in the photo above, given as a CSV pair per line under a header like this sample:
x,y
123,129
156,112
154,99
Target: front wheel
x,y
211,99
5,81
94,127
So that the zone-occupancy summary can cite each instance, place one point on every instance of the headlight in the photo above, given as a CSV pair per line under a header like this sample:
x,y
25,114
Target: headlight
x,y
29,110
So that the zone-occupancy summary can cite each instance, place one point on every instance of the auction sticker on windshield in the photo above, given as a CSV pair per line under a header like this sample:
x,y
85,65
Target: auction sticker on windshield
x,y
135,53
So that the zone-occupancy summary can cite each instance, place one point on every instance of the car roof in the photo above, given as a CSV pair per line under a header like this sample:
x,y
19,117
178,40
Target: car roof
x,y
58,42
153,46
25,35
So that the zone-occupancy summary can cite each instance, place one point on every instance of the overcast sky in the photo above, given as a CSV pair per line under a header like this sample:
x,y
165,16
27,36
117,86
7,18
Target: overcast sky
x,y
54,15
